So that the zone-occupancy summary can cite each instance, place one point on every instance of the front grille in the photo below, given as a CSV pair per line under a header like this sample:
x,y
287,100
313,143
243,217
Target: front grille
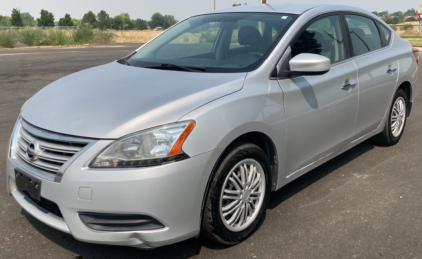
x,y
50,151
49,206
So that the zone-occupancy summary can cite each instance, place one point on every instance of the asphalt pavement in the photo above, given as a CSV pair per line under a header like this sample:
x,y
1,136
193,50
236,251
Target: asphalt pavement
x,y
366,203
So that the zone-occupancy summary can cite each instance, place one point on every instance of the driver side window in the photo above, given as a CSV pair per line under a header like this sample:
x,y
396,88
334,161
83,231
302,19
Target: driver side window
x,y
323,37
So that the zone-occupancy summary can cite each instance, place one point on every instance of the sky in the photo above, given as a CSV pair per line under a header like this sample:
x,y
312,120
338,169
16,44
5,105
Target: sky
x,y
181,9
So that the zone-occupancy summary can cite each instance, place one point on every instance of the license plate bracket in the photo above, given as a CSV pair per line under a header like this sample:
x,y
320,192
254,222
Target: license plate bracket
x,y
28,184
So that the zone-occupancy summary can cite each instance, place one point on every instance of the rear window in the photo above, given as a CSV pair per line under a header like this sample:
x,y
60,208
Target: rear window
x,y
364,34
385,34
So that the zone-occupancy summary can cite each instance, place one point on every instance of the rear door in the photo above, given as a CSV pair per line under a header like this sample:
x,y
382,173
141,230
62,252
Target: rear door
x,y
320,110
377,67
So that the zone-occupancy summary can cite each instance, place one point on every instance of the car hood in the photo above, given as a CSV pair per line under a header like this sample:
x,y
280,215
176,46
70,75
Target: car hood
x,y
114,100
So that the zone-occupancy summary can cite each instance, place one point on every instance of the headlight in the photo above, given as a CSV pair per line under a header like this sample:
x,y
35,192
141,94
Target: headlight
x,y
152,147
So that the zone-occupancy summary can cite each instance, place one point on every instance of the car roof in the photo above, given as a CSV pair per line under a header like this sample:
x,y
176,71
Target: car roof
x,y
282,8
271,8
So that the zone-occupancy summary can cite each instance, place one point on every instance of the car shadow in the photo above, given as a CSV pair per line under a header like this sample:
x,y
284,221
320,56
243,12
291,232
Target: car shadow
x,y
193,246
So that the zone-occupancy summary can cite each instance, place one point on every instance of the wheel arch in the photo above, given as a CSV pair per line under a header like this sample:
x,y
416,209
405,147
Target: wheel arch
x,y
407,88
258,138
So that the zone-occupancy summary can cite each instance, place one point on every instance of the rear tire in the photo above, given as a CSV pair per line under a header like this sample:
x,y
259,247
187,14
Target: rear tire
x,y
395,125
242,185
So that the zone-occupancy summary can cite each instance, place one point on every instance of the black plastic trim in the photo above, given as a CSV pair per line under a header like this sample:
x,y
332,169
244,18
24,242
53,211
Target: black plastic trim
x,y
44,205
119,222
409,108
287,74
145,163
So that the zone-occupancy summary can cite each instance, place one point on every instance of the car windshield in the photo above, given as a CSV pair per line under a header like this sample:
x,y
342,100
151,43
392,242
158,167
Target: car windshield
x,y
219,43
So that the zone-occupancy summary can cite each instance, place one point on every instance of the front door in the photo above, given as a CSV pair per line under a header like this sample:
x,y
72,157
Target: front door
x,y
321,110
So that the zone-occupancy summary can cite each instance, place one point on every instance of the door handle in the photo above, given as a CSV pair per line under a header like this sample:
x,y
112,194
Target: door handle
x,y
349,85
391,70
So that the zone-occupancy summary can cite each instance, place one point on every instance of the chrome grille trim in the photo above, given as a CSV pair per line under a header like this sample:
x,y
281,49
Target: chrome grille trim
x,y
56,151
49,146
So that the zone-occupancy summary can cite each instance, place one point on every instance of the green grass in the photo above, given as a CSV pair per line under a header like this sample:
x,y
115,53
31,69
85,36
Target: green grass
x,y
53,37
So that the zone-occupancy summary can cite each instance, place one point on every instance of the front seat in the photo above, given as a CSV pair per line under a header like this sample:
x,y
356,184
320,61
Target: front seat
x,y
250,36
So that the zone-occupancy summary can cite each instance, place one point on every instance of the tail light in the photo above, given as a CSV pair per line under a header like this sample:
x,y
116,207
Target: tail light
x,y
416,53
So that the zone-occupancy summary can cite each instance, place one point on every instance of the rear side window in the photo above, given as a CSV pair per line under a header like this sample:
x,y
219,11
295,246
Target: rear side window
x,y
385,34
323,37
364,34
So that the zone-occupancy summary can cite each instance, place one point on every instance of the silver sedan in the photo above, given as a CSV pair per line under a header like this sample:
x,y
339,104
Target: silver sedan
x,y
192,132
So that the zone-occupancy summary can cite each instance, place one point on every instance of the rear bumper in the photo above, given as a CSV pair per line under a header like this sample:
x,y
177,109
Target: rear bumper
x,y
171,194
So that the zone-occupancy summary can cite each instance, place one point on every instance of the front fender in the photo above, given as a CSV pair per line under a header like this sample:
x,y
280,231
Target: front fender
x,y
255,108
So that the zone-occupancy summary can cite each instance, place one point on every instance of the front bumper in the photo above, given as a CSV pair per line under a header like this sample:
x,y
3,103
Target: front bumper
x,y
172,194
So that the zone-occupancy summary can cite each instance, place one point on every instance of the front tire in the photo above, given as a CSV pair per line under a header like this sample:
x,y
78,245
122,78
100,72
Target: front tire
x,y
238,195
394,128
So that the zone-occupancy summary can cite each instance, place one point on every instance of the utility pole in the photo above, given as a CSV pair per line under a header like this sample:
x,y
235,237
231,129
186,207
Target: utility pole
x,y
214,4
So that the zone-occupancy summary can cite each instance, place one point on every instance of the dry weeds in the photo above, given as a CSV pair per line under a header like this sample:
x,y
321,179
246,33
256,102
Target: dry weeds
x,y
133,36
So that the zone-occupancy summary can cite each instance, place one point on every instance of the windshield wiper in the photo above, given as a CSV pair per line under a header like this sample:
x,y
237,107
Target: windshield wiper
x,y
177,67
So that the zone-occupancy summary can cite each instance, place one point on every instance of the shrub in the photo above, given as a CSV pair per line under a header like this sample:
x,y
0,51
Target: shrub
x,y
103,37
394,27
83,35
54,37
411,19
407,26
32,37
7,39
58,38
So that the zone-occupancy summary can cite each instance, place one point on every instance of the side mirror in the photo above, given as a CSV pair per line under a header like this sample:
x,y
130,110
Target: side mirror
x,y
310,65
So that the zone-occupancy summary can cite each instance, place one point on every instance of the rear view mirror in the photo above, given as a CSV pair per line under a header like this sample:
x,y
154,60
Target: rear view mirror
x,y
310,65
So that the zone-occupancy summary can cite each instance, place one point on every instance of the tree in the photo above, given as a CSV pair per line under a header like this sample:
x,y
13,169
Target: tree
x,y
27,19
5,21
66,21
46,18
384,14
234,5
89,19
390,21
16,18
157,20
411,19
411,12
103,20
121,22
76,22
141,24
169,21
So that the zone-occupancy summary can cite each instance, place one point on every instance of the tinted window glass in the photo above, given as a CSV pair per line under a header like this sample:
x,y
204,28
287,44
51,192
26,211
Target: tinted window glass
x,y
230,42
385,33
323,37
364,34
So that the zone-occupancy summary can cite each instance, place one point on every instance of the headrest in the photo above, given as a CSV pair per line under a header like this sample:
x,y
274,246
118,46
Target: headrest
x,y
358,31
249,36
